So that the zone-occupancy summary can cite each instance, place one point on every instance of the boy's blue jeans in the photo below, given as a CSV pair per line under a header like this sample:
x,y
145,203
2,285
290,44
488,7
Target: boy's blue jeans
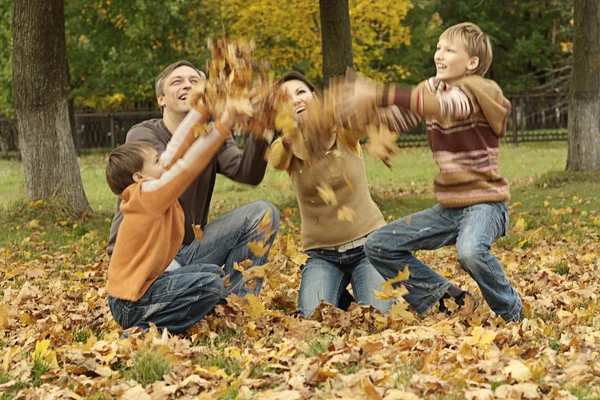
x,y
473,229
328,272
181,297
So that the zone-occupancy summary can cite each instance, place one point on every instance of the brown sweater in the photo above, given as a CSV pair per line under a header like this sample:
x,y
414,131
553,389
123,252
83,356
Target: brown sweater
x,y
152,228
343,170
246,166
464,122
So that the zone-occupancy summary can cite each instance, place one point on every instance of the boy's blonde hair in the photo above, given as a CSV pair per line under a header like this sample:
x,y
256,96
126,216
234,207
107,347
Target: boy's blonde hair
x,y
476,42
123,162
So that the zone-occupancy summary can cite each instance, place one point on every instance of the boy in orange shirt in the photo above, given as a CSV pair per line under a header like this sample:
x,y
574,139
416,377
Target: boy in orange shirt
x,y
140,289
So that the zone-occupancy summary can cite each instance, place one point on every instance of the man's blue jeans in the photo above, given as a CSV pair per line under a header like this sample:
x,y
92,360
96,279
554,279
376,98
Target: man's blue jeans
x,y
225,242
328,272
473,229
181,297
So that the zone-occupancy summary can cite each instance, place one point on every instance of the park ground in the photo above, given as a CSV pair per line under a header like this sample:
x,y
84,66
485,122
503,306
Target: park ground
x,y
58,340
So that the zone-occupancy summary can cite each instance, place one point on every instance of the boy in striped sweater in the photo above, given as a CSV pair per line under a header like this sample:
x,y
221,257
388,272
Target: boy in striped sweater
x,y
141,290
465,116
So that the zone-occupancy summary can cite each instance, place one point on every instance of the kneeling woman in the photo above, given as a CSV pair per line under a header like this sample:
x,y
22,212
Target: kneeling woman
x,y
333,232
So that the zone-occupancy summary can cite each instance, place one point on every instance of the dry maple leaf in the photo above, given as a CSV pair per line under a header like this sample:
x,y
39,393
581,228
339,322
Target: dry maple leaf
x,y
388,292
265,223
345,213
198,233
259,248
326,193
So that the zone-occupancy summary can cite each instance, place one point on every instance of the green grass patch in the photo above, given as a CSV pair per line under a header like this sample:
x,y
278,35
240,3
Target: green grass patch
x,y
148,366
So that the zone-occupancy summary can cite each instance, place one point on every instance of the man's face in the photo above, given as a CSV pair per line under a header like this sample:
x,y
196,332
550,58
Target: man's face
x,y
176,88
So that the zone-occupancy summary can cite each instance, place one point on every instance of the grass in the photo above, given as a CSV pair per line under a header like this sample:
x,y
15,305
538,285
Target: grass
x,y
149,366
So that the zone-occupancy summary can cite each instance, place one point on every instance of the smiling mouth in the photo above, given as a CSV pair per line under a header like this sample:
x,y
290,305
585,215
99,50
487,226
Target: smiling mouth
x,y
183,97
300,110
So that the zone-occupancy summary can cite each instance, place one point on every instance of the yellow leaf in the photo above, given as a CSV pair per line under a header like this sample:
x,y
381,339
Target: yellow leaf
x,y
259,248
517,204
400,312
265,223
520,225
242,266
348,183
345,213
518,371
326,193
3,316
34,224
36,203
480,337
388,292
253,306
198,232
546,203
42,352
226,280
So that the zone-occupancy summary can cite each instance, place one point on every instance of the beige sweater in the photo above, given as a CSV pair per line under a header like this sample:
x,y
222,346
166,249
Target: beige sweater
x,y
343,170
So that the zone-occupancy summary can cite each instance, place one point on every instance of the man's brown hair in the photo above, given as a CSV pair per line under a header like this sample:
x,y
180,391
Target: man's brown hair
x,y
160,79
123,162
476,42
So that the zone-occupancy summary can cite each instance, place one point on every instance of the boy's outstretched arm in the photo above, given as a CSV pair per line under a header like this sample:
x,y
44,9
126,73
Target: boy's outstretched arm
x,y
428,99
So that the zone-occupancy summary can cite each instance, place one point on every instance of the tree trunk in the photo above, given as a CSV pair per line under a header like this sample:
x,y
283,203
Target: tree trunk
x,y
336,38
584,107
41,107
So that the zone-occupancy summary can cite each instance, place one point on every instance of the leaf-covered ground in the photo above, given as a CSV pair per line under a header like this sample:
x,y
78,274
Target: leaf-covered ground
x,y
58,339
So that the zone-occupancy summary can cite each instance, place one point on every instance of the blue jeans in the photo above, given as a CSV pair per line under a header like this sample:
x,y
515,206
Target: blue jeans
x,y
225,241
473,229
328,272
176,300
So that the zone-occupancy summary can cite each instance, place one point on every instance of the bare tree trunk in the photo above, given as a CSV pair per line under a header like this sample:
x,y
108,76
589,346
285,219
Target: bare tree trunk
x,y
336,37
584,107
40,98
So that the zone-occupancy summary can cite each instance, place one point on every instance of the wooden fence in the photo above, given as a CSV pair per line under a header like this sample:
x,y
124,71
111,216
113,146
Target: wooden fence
x,y
533,118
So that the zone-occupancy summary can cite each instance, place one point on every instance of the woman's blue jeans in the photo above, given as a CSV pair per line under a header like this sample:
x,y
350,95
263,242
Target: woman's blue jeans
x,y
328,272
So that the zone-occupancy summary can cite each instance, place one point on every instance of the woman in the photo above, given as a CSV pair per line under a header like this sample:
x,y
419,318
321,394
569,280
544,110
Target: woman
x,y
335,205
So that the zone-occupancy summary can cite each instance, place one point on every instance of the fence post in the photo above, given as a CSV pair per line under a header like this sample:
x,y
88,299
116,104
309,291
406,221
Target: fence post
x,y
76,136
513,112
113,140
523,116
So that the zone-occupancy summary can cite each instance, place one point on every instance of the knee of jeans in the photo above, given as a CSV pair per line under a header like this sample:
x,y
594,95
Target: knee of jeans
x,y
471,257
371,245
215,285
264,207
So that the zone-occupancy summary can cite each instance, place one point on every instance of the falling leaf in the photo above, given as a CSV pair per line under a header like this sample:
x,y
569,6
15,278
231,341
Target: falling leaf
x,y
345,213
226,280
259,248
326,193
265,223
197,232
348,183
388,292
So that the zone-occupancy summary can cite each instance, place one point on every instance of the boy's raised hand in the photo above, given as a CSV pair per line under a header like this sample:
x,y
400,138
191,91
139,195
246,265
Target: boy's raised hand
x,y
359,94
237,112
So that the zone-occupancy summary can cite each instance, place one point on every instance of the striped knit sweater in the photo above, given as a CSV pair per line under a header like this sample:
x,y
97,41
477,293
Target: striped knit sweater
x,y
464,123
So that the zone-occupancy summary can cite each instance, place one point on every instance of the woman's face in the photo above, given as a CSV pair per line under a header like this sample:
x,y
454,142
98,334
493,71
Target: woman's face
x,y
300,94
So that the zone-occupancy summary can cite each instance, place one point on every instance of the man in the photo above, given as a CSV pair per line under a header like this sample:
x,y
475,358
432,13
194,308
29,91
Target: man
x,y
225,240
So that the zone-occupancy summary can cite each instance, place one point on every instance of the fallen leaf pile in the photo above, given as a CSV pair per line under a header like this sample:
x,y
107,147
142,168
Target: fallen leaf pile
x,y
58,339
